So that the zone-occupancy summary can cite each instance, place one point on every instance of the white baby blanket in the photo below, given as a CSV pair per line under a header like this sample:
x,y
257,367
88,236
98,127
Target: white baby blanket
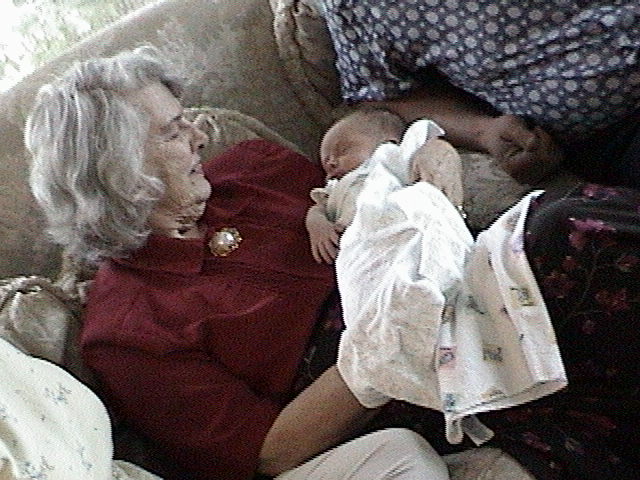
x,y
434,318
338,197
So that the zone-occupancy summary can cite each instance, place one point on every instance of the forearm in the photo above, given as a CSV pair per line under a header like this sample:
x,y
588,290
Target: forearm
x,y
322,416
463,117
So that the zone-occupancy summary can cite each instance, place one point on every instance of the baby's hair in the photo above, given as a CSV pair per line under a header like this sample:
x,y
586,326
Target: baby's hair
x,y
381,118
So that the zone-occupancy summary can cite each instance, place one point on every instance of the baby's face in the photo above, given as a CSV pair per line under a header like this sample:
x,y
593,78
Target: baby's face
x,y
345,147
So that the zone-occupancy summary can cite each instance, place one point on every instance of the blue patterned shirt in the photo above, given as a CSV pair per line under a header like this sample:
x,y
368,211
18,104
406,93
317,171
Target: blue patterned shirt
x,y
569,66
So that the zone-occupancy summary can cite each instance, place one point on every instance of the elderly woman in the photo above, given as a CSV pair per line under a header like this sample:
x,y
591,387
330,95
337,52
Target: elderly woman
x,y
207,294
204,302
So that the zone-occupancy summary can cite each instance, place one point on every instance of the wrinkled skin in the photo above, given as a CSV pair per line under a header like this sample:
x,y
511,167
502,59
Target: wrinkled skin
x,y
172,154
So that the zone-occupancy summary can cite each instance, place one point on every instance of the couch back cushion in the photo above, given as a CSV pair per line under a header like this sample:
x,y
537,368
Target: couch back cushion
x,y
228,55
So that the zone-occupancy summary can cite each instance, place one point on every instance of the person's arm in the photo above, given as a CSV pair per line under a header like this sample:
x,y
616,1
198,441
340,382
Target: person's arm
x,y
438,163
322,416
323,236
527,154
463,117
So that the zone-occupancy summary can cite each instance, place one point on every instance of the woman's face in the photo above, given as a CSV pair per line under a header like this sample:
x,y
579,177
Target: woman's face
x,y
172,154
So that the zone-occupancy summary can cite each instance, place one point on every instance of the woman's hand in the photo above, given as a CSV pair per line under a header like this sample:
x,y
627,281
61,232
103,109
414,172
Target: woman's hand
x,y
323,236
527,154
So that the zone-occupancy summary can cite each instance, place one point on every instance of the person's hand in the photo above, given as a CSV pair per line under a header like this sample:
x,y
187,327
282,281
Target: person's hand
x,y
323,236
527,154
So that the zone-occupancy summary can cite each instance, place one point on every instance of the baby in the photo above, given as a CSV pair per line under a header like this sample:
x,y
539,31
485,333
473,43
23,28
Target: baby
x,y
347,155
431,316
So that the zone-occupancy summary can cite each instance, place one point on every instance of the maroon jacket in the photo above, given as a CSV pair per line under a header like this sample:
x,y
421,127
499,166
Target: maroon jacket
x,y
200,352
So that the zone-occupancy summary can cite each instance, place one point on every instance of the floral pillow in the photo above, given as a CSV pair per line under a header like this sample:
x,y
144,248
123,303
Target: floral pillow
x,y
52,426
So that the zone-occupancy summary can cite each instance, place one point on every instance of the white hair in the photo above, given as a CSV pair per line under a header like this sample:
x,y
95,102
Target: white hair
x,y
87,143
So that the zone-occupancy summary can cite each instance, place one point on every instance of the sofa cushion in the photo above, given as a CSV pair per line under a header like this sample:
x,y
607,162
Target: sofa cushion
x,y
42,320
226,127
305,47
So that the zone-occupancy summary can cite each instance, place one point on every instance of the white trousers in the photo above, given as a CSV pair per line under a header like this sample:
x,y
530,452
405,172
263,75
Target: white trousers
x,y
393,453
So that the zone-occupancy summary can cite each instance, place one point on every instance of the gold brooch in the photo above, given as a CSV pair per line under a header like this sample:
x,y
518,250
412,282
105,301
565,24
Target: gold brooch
x,y
224,241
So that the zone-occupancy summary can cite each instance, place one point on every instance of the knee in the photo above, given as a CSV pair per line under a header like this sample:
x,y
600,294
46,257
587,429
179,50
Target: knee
x,y
394,436
552,216
404,442
407,455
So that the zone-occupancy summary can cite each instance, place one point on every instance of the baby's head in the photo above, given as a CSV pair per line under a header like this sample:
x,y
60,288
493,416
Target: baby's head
x,y
352,139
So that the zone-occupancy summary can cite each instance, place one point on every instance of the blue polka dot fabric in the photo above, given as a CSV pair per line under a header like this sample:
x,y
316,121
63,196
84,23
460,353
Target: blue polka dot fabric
x,y
570,66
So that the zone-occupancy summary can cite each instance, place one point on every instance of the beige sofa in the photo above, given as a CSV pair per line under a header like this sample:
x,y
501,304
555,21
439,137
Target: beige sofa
x,y
267,68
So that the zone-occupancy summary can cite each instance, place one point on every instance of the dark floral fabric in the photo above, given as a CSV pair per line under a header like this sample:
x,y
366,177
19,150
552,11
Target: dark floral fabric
x,y
584,249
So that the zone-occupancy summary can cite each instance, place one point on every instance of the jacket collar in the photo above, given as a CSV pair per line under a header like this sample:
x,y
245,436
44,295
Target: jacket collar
x,y
167,254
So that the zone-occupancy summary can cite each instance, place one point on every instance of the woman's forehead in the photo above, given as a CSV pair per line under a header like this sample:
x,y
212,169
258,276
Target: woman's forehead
x,y
158,101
